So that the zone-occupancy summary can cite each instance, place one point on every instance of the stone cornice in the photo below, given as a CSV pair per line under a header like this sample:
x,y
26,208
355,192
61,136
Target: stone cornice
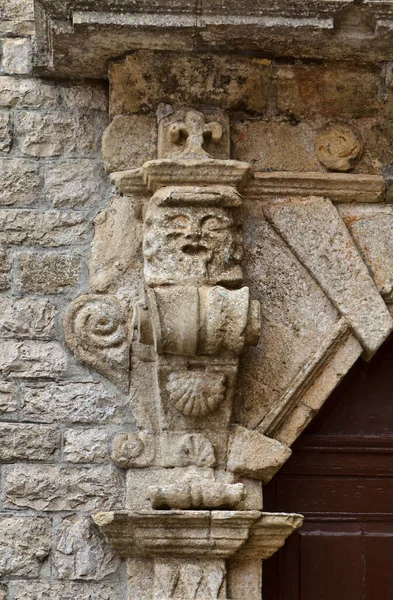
x,y
77,38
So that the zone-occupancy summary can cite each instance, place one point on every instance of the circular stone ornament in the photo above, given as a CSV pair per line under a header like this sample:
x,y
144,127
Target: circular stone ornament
x,y
338,147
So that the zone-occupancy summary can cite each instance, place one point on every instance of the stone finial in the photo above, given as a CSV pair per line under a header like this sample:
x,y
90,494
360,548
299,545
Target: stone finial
x,y
195,130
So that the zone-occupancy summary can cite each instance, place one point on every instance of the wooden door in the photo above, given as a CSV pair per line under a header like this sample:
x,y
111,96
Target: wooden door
x,y
341,478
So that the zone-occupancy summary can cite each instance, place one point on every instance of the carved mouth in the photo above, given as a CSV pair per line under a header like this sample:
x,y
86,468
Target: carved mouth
x,y
194,249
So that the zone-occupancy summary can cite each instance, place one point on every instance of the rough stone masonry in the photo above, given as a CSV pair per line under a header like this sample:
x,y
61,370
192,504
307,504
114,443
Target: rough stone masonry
x,y
58,417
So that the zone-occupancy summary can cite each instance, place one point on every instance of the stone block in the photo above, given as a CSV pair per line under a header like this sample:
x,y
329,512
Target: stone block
x,y
28,93
19,181
62,488
76,183
17,17
43,228
129,141
57,133
372,229
80,551
25,543
329,91
17,56
33,590
26,317
316,233
85,96
116,248
76,402
254,455
32,358
21,441
8,400
47,273
278,146
5,131
229,82
86,445
5,266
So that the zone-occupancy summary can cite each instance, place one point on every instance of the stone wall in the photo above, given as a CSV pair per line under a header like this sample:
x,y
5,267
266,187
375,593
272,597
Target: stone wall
x,y
58,418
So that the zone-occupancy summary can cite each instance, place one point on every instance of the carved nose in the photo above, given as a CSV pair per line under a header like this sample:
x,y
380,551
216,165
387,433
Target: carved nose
x,y
193,234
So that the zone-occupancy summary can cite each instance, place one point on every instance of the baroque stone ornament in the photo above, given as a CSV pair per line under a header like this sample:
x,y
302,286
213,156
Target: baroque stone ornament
x,y
204,249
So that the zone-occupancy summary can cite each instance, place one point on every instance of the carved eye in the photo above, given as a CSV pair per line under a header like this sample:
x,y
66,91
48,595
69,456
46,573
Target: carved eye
x,y
213,223
179,222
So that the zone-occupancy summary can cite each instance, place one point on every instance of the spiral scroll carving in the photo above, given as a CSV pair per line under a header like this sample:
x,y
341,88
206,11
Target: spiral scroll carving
x,y
96,330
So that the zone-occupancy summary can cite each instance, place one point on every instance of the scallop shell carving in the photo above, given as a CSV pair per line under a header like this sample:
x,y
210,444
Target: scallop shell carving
x,y
194,394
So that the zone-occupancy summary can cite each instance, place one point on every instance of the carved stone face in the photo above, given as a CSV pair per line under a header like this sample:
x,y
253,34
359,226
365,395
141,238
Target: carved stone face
x,y
192,245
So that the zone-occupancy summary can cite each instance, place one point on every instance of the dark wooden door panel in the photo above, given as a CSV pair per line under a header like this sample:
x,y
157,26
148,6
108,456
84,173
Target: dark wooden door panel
x,y
341,478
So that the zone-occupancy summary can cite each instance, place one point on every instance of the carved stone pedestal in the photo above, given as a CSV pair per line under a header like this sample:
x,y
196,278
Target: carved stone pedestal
x,y
193,555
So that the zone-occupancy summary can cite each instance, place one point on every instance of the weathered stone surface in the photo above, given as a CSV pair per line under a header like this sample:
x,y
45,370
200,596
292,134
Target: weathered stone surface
x,y
80,551
129,141
116,248
56,133
296,317
26,317
280,146
338,147
75,402
46,272
25,544
29,590
86,445
43,228
32,358
28,93
5,266
329,91
62,488
17,56
314,230
96,328
254,455
76,183
8,401
85,96
230,82
17,17
5,131
19,181
28,442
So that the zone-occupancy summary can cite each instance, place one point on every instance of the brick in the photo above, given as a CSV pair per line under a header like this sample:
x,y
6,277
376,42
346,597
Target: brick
x,y
86,445
57,133
63,488
5,131
24,545
26,317
21,441
32,358
17,17
43,228
81,553
76,183
77,402
329,91
19,181
17,56
47,273
28,93
8,401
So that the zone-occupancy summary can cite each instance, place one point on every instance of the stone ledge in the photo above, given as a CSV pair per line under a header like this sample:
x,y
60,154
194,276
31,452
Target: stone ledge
x,y
75,40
